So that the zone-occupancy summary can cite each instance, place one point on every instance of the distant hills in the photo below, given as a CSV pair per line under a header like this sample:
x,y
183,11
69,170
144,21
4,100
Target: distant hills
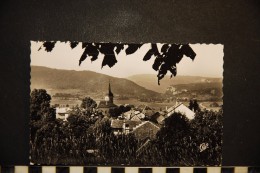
x,y
85,82
149,81
95,85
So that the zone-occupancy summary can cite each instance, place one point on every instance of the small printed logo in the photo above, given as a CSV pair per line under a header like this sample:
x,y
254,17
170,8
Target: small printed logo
x,y
203,146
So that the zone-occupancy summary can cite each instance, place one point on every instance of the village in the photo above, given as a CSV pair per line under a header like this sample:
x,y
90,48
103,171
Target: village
x,y
89,116
141,120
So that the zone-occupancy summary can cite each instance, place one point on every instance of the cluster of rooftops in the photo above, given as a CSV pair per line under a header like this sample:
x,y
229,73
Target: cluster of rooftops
x,y
137,120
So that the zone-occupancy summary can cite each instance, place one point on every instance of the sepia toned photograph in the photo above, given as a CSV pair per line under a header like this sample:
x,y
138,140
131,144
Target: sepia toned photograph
x,y
146,104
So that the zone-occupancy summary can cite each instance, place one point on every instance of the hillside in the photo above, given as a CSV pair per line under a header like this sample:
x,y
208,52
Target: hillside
x,y
206,91
85,82
149,81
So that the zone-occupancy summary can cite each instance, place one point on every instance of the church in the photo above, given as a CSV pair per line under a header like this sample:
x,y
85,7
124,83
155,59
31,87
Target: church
x,y
108,102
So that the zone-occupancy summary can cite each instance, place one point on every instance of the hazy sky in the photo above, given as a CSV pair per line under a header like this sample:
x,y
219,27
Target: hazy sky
x,y
207,63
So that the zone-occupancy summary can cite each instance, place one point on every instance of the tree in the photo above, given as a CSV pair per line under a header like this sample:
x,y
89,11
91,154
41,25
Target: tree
x,y
196,106
165,59
174,140
39,103
40,110
193,105
49,114
88,103
207,129
115,112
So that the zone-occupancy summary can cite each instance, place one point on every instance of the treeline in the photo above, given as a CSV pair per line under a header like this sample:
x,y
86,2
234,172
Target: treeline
x,y
66,95
88,140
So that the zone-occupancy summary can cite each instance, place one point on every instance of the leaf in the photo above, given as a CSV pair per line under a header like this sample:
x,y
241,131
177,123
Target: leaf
x,y
132,48
148,55
157,63
84,44
107,48
187,50
83,57
164,48
162,71
73,44
94,58
152,51
173,70
119,47
49,45
109,60
155,49
174,54
91,50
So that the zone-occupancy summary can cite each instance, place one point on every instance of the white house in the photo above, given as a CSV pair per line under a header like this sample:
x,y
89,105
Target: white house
x,y
62,113
181,108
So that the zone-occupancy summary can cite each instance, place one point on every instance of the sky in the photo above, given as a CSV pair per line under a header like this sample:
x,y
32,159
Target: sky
x,y
207,63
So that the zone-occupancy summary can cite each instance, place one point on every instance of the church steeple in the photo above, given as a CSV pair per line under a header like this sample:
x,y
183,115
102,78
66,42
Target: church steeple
x,y
109,97
109,90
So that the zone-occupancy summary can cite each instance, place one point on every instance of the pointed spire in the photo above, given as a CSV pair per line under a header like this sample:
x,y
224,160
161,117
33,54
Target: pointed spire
x,y
109,89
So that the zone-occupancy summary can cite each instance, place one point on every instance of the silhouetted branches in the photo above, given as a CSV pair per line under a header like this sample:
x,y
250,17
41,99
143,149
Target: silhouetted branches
x,y
165,60
73,44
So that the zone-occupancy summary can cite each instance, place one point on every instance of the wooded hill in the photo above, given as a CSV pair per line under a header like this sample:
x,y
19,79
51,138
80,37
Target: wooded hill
x,y
149,81
86,82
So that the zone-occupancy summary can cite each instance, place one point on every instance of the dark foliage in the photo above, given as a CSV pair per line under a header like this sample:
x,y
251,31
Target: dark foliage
x,y
207,127
115,112
173,140
40,110
88,103
132,48
165,60
73,44
194,106
85,139
49,45
170,56
39,103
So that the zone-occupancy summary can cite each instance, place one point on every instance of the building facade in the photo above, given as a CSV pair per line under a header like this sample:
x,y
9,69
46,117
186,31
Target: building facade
x,y
108,102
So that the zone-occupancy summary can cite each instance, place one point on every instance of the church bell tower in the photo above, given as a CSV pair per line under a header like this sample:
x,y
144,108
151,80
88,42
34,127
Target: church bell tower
x,y
109,97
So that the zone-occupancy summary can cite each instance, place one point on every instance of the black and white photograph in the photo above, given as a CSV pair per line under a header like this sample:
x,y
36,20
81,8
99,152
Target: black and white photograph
x,y
128,104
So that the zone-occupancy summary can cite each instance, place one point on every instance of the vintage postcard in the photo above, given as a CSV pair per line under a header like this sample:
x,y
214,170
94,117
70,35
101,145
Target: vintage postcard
x,y
126,104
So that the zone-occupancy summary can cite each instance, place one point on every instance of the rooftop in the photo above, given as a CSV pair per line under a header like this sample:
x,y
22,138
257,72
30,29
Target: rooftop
x,y
117,124
105,104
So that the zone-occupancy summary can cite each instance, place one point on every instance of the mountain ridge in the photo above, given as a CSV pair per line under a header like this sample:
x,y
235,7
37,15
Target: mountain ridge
x,y
88,82
149,81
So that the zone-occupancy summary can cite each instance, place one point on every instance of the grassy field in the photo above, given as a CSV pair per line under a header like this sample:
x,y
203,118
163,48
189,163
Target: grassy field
x,y
155,105
65,102
134,102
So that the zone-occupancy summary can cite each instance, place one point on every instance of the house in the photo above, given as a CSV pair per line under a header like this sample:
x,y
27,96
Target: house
x,y
134,115
148,113
158,117
145,130
129,114
141,129
62,113
181,108
108,103
143,107
141,116
123,126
